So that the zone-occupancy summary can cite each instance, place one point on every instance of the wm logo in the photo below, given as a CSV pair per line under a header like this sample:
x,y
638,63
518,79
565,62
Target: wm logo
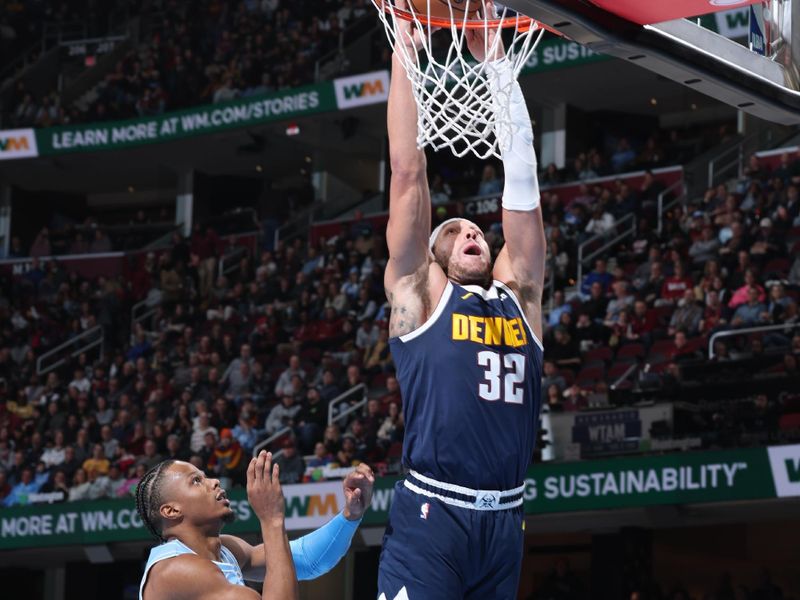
x,y
738,19
361,90
784,462
793,469
14,144
401,595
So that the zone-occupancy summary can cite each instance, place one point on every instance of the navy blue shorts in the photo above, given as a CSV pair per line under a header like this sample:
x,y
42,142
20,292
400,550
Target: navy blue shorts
x,y
437,551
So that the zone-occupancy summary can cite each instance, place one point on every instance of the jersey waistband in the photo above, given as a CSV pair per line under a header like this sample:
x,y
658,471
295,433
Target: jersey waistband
x,y
464,497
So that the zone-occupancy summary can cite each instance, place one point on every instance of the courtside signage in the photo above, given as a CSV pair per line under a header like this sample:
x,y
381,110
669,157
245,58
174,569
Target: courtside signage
x,y
76,523
733,24
362,90
18,143
288,104
554,54
340,94
785,464
678,478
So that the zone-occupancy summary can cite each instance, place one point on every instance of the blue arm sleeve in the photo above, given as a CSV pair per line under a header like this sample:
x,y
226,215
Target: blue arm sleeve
x,y
318,552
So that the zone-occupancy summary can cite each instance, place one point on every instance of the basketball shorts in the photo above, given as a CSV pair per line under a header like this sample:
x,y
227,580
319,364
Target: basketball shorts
x,y
433,550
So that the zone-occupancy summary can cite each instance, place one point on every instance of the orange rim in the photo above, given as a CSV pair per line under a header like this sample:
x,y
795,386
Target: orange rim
x,y
522,23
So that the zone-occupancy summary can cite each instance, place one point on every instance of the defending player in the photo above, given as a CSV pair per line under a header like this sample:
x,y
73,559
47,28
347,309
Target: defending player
x,y
465,338
187,510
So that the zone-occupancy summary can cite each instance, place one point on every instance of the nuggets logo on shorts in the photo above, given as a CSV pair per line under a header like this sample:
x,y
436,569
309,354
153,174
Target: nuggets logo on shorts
x,y
424,510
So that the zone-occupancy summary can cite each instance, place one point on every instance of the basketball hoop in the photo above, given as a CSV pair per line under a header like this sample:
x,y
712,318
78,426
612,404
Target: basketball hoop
x,y
462,104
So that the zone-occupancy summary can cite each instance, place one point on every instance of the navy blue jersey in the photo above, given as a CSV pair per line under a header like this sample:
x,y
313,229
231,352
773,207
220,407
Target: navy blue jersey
x,y
470,378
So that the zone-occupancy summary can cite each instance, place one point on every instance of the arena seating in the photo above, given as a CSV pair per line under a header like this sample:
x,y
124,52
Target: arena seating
x,y
227,361
203,52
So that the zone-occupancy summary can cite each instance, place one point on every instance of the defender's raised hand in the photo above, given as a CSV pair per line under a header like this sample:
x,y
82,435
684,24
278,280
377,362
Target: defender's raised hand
x,y
264,490
358,492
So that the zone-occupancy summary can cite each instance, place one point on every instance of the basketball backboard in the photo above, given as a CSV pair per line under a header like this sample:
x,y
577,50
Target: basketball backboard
x,y
759,77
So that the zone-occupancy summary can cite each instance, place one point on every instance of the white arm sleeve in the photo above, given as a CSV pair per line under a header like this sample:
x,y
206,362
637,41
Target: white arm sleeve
x,y
521,191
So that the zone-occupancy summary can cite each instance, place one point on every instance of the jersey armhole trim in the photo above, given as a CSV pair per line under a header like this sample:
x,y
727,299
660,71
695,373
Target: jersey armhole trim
x,y
149,567
448,291
513,296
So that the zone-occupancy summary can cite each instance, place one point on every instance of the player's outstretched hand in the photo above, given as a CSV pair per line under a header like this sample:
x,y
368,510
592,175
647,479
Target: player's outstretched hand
x,y
358,492
484,42
408,33
264,490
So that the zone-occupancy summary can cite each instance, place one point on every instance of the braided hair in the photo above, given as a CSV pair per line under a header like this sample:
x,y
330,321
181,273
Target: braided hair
x,y
149,498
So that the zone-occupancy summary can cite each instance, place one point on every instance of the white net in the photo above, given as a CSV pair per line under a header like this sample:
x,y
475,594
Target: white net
x,y
460,104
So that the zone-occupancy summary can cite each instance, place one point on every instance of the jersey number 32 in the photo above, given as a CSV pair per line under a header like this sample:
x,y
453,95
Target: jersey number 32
x,y
504,375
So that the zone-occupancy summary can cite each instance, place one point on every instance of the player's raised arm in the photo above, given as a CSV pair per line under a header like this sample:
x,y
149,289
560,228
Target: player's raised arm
x,y
266,497
409,197
320,551
521,263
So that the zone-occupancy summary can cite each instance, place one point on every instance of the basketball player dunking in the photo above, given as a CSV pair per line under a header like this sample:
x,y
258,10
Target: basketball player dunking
x,y
465,339
186,511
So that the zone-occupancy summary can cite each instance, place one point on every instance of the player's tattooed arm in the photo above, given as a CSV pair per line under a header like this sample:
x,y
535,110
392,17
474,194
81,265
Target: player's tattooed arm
x,y
407,302
402,321
405,316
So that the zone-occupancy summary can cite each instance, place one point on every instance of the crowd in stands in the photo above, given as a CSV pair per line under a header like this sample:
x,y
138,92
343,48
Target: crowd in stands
x,y
604,155
22,24
227,361
204,52
725,261
211,51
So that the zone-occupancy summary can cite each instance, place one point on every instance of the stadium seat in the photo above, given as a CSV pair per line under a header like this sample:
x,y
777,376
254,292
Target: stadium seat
x,y
598,363
774,369
311,354
777,267
659,367
663,348
378,381
395,451
631,351
603,354
308,366
617,370
789,422
588,374
630,268
696,344
568,375
661,314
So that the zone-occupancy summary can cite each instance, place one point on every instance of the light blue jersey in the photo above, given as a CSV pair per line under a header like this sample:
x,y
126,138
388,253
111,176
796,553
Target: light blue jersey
x,y
171,549
314,554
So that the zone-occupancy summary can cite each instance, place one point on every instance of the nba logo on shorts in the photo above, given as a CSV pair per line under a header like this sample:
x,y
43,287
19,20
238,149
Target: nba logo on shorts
x,y
424,510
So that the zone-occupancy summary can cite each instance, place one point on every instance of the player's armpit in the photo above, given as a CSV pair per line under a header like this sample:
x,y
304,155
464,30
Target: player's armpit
x,y
189,577
526,279
413,298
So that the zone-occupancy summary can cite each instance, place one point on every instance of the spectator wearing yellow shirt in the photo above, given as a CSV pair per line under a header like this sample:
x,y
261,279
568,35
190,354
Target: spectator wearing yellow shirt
x,y
21,408
98,462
